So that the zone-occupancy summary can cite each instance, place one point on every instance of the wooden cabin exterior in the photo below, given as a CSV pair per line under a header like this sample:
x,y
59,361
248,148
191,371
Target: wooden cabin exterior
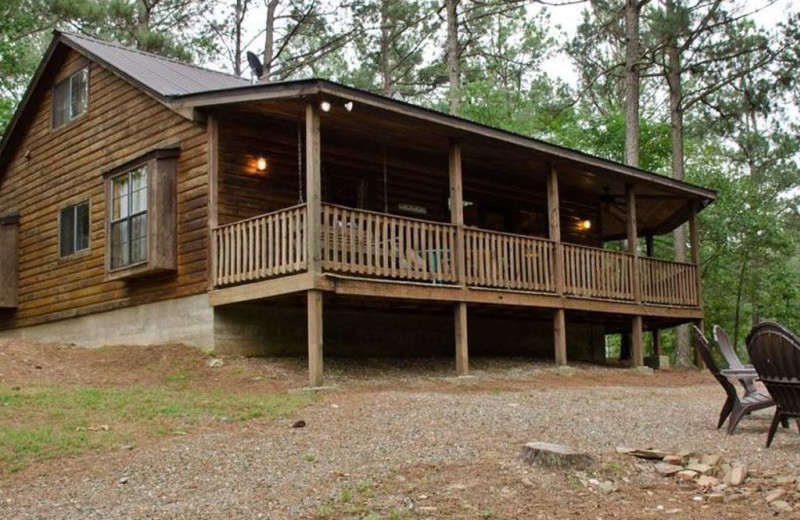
x,y
143,200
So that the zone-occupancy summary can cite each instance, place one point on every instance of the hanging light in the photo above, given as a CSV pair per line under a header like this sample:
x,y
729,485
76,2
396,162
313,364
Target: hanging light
x,y
585,225
261,164
325,106
348,106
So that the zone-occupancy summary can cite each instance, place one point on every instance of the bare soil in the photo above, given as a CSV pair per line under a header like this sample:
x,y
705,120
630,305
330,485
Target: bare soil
x,y
395,439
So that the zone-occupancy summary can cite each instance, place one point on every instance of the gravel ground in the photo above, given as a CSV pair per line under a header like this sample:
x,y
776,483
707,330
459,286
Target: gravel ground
x,y
416,443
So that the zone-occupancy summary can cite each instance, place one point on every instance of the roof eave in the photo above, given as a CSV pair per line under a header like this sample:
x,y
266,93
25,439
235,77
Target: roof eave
x,y
310,87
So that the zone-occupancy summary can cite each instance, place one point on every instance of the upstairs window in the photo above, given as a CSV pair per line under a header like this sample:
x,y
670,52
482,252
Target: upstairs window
x,y
129,218
71,98
73,229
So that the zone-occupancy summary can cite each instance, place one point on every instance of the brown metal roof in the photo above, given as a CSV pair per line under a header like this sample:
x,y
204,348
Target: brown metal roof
x,y
160,75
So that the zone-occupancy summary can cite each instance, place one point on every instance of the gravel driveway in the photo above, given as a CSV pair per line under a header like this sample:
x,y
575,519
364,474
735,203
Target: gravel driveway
x,y
413,447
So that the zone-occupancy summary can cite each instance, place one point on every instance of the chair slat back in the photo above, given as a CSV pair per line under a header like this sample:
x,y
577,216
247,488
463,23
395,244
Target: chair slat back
x,y
726,348
775,354
701,344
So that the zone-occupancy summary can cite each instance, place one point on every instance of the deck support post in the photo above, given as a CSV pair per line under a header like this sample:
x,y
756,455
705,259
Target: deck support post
x,y
656,342
315,338
560,337
459,256
554,233
637,343
462,351
694,243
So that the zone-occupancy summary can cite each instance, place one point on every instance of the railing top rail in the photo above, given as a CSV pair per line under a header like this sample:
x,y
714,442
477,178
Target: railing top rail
x,y
390,215
600,249
282,210
504,233
661,261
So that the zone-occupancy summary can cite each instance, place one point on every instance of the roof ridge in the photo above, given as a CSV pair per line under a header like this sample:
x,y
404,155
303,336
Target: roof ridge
x,y
148,54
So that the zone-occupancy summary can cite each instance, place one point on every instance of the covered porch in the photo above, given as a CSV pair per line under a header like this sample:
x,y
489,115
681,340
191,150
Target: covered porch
x,y
310,197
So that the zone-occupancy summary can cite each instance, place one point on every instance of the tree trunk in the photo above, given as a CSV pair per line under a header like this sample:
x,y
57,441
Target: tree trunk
x,y
386,66
269,41
238,18
738,313
453,56
682,350
632,82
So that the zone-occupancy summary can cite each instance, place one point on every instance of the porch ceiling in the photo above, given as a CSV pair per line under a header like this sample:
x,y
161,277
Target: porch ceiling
x,y
423,146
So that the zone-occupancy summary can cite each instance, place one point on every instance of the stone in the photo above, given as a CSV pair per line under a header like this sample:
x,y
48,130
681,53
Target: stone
x,y
607,487
781,506
716,498
699,467
215,363
738,475
123,480
687,475
775,494
707,482
555,455
665,470
675,460
299,424
711,460
649,454
643,370
785,479
566,371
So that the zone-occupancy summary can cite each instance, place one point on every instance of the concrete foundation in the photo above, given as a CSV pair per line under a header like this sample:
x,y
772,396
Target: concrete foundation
x,y
187,320
271,330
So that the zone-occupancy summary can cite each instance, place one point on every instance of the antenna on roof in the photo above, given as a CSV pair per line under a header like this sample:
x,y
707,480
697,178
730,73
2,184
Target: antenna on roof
x,y
255,65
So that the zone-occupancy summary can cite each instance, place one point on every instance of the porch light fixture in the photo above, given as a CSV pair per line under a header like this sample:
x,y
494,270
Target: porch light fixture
x,y
325,106
261,164
585,225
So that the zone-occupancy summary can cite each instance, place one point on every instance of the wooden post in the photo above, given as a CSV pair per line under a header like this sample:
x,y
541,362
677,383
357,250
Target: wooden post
x,y
457,218
315,338
212,134
457,209
462,352
314,241
560,336
554,221
554,227
637,343
649,245
694,242
313,189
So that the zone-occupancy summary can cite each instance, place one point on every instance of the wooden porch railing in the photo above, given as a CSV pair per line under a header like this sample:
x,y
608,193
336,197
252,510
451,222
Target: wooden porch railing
x,y
597,273
508,261
670,283
260,247
386,246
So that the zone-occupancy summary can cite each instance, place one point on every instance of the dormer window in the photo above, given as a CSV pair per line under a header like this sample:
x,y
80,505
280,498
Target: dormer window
x,y
71,98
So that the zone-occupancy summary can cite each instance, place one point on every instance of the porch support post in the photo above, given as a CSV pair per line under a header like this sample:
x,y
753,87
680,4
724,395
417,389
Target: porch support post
x,y
554,225
212,133
313,189
694,242
459,257
655,333
656,342
315,338
637,345
314,242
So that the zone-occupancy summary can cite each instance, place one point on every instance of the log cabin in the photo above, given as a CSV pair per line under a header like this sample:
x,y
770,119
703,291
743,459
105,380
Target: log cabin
x,y
144,201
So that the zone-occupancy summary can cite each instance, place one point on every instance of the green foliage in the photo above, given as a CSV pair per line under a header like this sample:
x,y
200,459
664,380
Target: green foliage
x,y
45,422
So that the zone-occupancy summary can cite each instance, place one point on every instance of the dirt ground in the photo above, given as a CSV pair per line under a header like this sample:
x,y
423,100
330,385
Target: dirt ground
x,y
396,439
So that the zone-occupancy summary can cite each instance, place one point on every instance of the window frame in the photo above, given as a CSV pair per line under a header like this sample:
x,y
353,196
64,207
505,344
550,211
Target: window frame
x,y
144,166
76,252
68,80
161,210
